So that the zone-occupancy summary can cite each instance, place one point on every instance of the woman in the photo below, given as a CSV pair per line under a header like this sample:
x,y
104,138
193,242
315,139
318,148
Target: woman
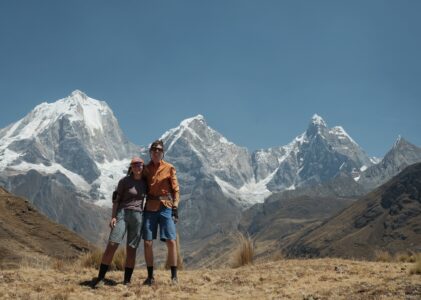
x,y
126,216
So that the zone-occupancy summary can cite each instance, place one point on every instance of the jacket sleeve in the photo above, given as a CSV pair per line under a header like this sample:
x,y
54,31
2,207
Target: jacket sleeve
x,y
175,187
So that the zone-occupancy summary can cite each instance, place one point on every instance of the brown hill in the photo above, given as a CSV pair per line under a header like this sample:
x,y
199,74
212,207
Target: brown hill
x,y
388,218
25,234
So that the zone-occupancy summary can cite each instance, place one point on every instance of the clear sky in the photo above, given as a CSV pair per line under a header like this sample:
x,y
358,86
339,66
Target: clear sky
x,y
256,70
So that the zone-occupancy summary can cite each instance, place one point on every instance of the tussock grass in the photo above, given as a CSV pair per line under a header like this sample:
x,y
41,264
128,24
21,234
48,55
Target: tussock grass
x,y
37,262
382,256
403,257
407,256
416,268
244,253
93,259
180,263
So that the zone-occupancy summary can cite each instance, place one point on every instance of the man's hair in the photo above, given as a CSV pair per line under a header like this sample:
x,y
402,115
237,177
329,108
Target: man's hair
x,y
157,143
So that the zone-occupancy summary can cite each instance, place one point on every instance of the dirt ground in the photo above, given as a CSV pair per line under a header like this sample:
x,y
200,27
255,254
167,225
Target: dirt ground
x,y
282,279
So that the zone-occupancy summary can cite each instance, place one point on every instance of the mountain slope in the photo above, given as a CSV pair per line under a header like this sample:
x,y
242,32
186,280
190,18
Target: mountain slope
x,y
387,218
26,234
398,158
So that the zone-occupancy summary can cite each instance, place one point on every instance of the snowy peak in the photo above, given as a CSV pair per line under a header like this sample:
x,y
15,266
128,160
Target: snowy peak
x,y
190,122
78,94
401,143
195,130
80,107
341,134
317,120
316,126
76,107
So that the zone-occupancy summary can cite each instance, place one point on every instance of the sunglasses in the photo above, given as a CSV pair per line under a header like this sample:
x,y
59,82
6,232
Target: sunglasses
x,y
139,165
157,149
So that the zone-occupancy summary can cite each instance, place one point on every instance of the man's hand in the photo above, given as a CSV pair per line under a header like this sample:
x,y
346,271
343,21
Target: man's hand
x,y
175,214
113,222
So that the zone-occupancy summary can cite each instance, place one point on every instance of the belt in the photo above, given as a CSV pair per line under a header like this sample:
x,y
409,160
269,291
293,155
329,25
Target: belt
x,y
159,198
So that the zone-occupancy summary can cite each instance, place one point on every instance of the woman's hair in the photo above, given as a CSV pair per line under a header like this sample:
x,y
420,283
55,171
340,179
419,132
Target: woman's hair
x,y
129,171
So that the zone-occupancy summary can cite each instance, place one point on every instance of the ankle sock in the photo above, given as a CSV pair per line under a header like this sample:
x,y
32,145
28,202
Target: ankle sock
x,y
128,274
102,271
150,272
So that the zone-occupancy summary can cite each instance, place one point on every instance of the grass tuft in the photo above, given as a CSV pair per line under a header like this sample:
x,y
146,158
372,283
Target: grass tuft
x,y
93,259
407,256
382,256
416,268
180,263
244,254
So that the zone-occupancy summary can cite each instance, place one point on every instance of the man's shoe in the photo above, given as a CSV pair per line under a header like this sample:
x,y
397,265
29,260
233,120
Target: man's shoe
x,y
149,281
174,281
98,283
126,283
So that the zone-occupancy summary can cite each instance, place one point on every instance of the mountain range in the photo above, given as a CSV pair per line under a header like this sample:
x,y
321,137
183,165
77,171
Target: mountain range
x,y
66,157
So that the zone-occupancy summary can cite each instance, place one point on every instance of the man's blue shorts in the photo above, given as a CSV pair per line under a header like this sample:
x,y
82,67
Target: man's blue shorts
x,y
163,217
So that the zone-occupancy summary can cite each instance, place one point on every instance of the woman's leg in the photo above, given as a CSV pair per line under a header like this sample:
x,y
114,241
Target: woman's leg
x,y
108,255
130,257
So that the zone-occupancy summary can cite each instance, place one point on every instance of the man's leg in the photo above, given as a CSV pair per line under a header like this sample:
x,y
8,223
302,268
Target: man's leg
x,y
150,228
168,234
149,261
172,257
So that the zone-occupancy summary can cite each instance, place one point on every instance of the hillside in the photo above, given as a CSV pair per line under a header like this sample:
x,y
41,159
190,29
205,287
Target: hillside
x,y
387,218
26,234
283,279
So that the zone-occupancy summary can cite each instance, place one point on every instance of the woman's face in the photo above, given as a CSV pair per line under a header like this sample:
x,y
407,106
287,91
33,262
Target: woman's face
x,y
137,168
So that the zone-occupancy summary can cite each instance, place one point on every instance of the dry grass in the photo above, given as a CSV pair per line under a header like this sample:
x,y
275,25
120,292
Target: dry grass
x,y
93,259
180,262
416,268
405,256
283,279
383,256
244,254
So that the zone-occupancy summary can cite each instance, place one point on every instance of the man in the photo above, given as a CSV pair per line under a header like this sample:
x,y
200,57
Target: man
x,y
160,209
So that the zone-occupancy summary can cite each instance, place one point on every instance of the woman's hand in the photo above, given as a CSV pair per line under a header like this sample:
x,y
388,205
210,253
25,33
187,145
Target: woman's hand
x,y
113,222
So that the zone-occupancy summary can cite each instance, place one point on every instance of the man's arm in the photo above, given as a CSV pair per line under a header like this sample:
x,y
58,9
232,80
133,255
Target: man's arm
x,y
175,188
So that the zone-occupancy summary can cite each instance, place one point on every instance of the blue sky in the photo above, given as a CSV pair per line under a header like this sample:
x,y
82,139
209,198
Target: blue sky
x,y
256,70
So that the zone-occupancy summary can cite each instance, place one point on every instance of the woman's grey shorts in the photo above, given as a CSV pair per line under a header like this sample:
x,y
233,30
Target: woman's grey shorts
x,y
127,220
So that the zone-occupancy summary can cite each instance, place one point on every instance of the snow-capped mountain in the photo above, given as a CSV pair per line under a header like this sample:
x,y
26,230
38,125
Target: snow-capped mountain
x,y
63,156
76,136
199,151
317,155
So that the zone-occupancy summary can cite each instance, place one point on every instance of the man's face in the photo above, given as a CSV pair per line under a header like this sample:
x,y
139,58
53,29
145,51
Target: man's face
x,y
157,153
